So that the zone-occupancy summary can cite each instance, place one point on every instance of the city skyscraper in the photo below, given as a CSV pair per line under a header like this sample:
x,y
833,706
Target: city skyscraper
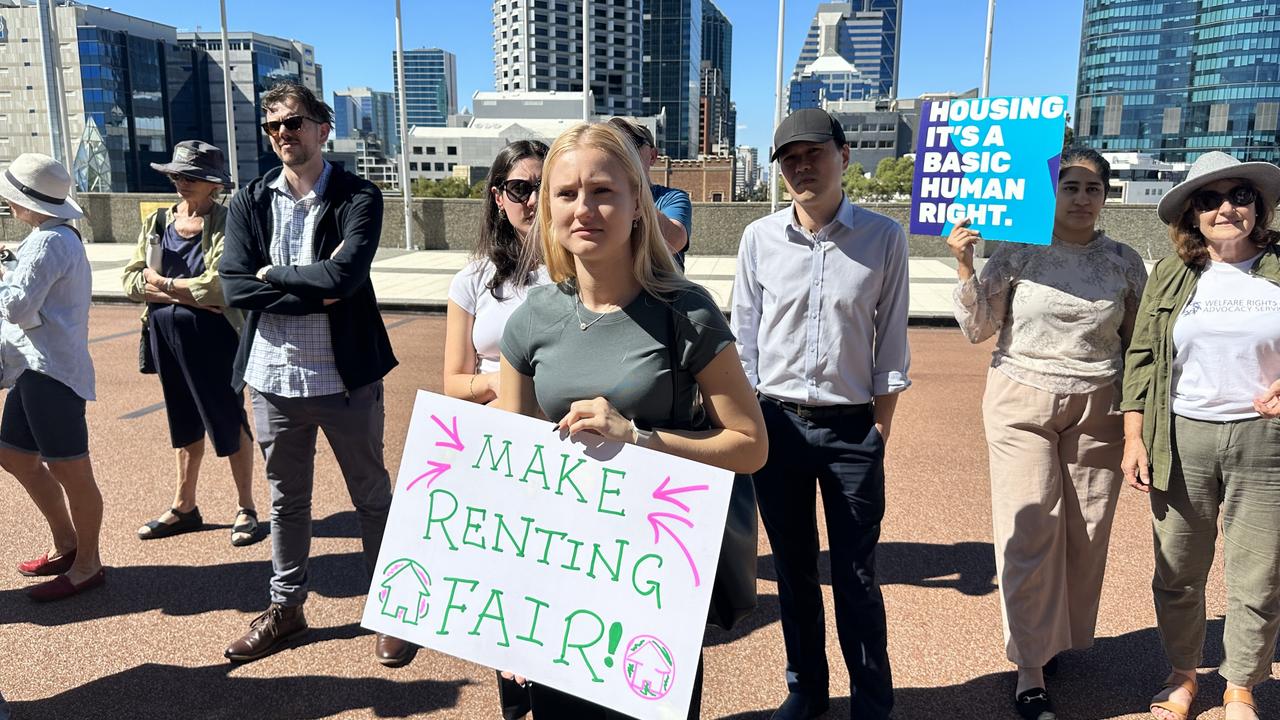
x,y
717,132
121,75
361,111
673,72
258,62
430,87
850,53
538,47
1177,79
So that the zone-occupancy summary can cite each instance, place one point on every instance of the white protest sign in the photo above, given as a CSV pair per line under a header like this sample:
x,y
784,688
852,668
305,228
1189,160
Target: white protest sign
x,y
584,567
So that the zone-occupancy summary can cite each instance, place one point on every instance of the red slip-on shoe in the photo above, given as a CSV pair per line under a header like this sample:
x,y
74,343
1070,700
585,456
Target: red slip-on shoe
x,y
61,587
44,566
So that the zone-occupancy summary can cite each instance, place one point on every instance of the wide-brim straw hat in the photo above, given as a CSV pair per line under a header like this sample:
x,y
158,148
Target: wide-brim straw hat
x,y
1214,166
196,159
40,183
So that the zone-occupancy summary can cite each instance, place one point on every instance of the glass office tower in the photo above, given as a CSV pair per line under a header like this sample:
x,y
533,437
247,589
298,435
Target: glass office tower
x,y
1178,78
673,55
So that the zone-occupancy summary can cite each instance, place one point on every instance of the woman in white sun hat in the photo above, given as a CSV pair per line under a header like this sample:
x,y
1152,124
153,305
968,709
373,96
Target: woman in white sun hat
x,y
44,309
1202,424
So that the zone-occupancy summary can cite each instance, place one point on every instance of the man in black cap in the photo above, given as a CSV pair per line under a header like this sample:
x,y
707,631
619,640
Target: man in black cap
x,y
822,331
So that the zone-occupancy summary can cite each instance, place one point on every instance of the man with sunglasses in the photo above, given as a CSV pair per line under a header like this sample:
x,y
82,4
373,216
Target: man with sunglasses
x,y
299,243
675,211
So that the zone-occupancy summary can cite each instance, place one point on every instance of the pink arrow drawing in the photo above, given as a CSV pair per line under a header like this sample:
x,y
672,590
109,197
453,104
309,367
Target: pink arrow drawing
x,y
437,469
453,434
661,493
658,524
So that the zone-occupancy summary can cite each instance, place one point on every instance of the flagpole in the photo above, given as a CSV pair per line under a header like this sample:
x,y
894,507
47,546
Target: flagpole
x,y
228,98
986,56
586,60
777,110
405,193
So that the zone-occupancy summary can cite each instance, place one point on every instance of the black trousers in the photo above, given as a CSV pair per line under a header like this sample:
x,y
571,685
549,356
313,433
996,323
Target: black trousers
x,y
845,454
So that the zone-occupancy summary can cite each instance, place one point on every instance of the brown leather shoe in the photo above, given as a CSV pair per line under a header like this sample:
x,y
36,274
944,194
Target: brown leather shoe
x,y
392,651
268,633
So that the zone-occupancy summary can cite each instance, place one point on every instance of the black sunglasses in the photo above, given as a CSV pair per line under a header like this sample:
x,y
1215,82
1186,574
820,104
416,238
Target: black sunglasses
x,y
292,124
1240,196
518,191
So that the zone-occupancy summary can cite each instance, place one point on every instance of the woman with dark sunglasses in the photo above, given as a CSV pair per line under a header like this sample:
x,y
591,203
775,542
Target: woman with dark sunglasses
x,y
1202,438
485,292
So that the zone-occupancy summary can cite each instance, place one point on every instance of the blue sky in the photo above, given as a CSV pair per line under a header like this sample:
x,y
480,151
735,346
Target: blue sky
x,y
1037,44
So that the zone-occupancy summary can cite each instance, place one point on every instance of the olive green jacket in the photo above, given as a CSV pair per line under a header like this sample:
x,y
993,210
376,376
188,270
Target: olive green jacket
x,y
205,288
1148,364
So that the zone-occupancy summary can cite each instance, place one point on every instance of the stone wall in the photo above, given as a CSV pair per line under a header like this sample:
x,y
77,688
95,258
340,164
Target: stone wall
x,y
453,224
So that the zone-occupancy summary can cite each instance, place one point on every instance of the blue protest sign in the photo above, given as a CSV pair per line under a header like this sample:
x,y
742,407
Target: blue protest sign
x,y
992,160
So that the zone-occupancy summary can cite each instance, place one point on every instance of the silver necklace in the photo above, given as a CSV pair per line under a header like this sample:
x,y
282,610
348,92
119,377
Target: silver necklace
x,y
583,325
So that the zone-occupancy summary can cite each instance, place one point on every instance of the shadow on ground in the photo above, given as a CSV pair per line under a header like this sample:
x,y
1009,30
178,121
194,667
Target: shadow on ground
x,y
155,691
1114,678
184,590
967,567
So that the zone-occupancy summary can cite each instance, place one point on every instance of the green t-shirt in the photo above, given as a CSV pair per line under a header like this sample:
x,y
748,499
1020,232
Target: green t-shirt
x,y
624,356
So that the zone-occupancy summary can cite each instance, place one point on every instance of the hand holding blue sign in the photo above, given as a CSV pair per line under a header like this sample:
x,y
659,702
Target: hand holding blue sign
x,y
992,162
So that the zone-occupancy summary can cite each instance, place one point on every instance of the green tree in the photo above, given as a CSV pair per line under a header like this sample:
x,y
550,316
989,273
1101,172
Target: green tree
x,y
856,183
893,178
450,187
1068,134
477,190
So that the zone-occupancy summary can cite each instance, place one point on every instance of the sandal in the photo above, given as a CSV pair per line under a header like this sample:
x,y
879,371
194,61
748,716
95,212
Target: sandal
x,y
1172,683
248,531
1243,696
186,522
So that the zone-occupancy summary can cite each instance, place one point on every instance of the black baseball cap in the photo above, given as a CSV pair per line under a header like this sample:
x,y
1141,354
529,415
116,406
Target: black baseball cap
x,y
807,125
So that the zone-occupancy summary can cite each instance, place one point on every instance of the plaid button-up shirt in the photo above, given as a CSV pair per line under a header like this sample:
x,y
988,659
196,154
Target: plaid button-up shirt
x,y
292,355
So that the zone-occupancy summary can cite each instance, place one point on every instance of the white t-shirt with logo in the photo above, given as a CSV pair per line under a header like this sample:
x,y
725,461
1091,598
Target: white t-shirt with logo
x,y
468,289
1226,344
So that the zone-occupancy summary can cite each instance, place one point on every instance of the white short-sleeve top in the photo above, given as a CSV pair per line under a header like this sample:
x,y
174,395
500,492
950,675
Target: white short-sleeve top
x,y
470,291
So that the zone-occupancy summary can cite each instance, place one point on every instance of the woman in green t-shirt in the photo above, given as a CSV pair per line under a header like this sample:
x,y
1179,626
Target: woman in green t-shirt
x,y
622,345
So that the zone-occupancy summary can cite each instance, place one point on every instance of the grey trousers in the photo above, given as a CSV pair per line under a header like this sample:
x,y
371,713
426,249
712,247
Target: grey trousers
x,y
1234,467
286,427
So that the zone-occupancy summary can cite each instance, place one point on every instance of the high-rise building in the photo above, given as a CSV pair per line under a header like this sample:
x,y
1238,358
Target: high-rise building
x,y
360,112
537,46
747,172
430,86
717,131
850,53
1177,79
673,72
121,75
258,62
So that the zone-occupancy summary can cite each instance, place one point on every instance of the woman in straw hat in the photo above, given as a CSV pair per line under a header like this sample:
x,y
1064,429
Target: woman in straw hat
x,y
44,441
1201,402
194,338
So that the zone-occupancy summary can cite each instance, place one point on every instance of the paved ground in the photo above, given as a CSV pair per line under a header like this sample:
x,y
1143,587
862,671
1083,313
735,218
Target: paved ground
x,y
419,280
150,644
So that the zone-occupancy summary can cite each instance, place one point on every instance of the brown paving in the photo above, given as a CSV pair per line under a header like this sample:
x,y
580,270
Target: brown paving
x,y
150,644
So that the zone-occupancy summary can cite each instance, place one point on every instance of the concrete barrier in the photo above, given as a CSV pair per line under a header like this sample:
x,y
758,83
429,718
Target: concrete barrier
x,y
453,224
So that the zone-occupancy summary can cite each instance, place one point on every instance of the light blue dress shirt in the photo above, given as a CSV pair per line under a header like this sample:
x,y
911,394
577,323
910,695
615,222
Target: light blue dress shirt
x,y
44,309
821,319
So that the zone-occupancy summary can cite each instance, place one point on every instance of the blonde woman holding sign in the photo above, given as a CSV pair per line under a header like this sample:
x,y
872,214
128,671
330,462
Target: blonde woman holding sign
x,y
595,351
1064,314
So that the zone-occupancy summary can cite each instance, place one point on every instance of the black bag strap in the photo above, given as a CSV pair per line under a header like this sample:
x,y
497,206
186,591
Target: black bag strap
x,y
161,222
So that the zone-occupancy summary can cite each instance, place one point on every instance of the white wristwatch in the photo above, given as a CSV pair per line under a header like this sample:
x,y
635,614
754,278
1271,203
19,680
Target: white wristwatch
x,y
640,435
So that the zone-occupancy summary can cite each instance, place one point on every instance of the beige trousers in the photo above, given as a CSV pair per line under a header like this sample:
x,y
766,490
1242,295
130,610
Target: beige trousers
x,y
1055,477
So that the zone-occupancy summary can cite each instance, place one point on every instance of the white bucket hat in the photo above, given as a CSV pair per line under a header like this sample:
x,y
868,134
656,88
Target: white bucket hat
x,y
40,183
1214,166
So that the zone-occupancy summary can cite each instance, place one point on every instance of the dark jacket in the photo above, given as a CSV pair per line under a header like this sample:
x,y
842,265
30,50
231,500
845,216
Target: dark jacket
x,y
350,214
